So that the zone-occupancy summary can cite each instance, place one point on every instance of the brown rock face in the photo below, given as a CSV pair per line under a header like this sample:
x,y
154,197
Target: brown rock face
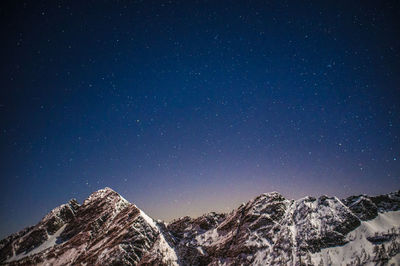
x,y
33,237
7,245
104,230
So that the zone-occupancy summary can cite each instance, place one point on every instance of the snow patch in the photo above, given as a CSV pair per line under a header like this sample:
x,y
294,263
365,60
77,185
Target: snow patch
x,y
149,220
168,253
50,242
359,246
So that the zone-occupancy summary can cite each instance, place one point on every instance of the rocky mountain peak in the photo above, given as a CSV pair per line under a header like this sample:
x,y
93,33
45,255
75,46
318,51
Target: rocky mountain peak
x,y
271,203
101,194
105,229
272,195
267,230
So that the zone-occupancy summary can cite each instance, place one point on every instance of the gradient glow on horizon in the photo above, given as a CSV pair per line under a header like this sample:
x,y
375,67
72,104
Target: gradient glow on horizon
x,y
185,107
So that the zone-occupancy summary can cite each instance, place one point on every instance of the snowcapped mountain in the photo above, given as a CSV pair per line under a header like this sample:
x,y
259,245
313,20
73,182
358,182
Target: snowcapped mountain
x,y
106,229
268,230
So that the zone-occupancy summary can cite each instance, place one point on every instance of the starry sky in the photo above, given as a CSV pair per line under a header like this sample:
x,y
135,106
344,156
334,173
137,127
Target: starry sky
x,y
185,107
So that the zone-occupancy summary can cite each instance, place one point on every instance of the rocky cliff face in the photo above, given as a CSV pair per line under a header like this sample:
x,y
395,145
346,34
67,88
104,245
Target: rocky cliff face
x,y
268,230
367,208
105,230
33,237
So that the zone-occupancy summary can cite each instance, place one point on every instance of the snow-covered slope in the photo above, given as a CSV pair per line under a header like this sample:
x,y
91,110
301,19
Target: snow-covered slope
x,y
268,230
271,230
373,241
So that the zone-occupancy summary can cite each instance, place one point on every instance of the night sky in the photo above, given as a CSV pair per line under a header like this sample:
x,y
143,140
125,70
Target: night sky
x,y
184,107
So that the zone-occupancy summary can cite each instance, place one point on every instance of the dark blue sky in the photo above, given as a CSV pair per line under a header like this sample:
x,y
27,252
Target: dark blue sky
x,y
184,107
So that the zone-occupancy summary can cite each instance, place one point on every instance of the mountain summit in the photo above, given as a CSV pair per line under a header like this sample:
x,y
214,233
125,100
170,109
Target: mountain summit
x,y
268,230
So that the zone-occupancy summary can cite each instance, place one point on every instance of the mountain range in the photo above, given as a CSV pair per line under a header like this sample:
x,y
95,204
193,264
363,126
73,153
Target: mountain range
x,y
268,230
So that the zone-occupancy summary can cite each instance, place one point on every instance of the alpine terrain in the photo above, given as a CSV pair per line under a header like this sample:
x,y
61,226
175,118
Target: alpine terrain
x,y
269,230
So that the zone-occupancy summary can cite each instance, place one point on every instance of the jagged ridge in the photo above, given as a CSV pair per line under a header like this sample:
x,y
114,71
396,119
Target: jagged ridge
x,y
106,229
